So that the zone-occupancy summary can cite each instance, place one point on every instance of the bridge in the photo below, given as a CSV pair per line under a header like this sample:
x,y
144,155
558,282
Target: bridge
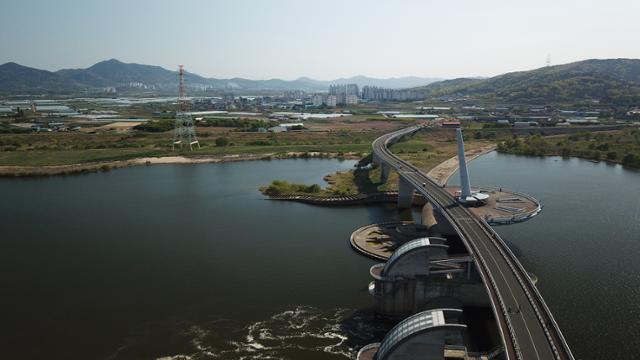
x,y
526,324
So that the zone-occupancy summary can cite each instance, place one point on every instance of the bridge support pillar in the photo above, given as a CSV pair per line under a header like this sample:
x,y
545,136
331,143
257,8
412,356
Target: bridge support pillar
x,y
444,228
428,219
405,193
384,168
384,172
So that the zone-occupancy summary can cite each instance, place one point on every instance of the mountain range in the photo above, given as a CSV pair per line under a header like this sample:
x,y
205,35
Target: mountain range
x,y
16,78
613,81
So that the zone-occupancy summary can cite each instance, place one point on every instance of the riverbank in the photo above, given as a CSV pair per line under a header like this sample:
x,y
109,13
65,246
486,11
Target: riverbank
x,y
81,168
362,184
615,147
443,171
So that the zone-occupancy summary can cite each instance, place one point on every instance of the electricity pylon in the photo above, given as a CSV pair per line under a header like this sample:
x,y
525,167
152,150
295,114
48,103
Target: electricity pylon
x,y
184,132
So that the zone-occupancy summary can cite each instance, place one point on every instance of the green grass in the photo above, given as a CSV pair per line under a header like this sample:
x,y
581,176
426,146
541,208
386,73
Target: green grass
x,y
614,146
65,149
428,148
281,187
67,157
425,150
351,182
247,149
358,181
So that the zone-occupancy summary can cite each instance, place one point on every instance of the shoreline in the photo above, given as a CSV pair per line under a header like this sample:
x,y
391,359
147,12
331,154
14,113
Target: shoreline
x,y
596,161
443,171
84,168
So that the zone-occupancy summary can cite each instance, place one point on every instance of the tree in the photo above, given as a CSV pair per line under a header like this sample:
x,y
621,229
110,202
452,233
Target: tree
x,y
631,160
222,141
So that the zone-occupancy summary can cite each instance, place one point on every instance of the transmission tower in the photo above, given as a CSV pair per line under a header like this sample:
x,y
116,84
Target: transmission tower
x,y
548,62
184,132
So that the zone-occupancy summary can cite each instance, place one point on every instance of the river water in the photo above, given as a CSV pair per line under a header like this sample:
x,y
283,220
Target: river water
x,y
584,246
189,261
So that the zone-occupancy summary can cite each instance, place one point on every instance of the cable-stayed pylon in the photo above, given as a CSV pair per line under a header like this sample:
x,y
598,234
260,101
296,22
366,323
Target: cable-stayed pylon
x,y
184,132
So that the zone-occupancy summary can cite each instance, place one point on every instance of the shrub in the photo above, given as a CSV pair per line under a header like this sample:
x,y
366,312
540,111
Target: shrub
x,y
259,143
155,126
222,141
281,187
631,160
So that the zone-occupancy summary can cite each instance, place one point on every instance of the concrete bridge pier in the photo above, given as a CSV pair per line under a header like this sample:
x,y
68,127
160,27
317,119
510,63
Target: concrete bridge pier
x,y
443,227
428,219
384,172
375,159
384,168
405,193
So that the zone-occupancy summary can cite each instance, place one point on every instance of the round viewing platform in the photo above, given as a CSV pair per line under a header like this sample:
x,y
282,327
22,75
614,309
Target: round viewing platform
x,y
502,206
379,241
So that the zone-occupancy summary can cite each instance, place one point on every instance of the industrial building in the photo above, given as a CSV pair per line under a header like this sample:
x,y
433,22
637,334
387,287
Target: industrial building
x,y
451,124
287,127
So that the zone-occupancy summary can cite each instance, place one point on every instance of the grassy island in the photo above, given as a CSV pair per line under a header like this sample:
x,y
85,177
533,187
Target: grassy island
x,y
426,150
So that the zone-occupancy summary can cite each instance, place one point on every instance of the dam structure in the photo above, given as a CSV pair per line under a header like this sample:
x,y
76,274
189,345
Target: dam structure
x,y
422,275
485,273
425,335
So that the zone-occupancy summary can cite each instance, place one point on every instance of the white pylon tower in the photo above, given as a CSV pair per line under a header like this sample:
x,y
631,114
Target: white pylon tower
x,y
465,186
184,132
467,196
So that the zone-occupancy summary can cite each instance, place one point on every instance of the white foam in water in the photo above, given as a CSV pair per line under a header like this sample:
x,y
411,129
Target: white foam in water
x,y
288,331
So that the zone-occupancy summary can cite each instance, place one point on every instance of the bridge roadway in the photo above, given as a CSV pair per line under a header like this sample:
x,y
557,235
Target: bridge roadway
x,y
527,327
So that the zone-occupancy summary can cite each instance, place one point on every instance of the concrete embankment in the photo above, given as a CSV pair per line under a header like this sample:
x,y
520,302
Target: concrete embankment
x,y
345,200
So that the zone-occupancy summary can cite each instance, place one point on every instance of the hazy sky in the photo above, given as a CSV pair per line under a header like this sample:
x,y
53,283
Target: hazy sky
x,y
323,39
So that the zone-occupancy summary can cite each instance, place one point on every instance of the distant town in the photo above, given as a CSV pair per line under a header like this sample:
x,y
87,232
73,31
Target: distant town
x,y
291,108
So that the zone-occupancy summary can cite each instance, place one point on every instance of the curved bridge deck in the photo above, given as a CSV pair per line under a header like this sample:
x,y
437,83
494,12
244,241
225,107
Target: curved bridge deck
x,y
525,322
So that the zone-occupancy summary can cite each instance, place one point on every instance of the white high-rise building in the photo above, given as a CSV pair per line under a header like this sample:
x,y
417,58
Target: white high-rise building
x,y
332,100
342,91
317,100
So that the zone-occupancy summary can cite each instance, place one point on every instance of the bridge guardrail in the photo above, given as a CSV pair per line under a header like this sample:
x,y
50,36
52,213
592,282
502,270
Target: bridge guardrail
x,y
527,285
486,276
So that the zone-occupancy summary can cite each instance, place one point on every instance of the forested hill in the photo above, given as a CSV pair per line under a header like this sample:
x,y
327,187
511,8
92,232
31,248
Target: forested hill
x,y
612,81
19,79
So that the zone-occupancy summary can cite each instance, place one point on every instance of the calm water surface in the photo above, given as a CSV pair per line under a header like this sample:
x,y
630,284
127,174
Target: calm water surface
x,y
161,261
584,246
190,261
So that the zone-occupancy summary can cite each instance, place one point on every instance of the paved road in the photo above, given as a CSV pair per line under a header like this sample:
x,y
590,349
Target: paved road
x,y
526,324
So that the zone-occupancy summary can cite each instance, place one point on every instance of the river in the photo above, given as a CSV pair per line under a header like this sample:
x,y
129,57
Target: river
x,y
583,246
190,261
159,261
